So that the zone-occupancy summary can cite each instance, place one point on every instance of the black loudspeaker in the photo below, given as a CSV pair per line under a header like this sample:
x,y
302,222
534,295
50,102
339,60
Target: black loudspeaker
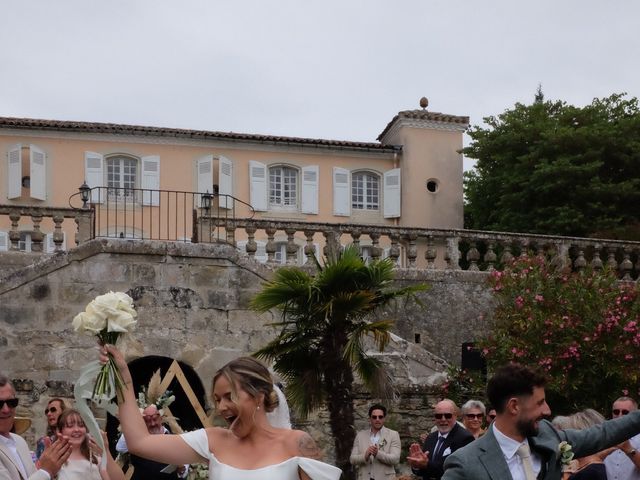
x,y
472,358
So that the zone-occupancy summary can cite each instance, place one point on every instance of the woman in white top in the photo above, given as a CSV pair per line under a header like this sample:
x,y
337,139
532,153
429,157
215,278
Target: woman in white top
x,y
249,449
84,461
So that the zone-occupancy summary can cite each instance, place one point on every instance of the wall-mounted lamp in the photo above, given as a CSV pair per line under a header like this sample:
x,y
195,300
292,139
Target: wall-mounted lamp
x,y
206,202
85,192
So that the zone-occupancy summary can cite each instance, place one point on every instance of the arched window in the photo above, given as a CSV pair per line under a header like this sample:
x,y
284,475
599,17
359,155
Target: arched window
x,y
365,191
122,175
283,187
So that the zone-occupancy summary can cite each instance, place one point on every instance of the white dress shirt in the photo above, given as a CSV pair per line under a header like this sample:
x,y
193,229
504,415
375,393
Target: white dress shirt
x,y
619,466
509,448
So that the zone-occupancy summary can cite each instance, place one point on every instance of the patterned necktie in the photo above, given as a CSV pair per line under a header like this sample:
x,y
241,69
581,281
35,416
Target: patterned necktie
x,y
525,455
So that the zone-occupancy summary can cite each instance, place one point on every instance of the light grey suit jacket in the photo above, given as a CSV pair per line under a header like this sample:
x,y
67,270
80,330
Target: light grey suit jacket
x,y
380,467
9,470
482,459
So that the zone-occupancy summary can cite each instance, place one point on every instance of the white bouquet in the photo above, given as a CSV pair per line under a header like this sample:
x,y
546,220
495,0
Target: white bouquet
x,y
107,316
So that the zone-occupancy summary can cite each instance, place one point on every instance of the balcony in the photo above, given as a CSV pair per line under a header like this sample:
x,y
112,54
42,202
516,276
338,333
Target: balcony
x,y
210,218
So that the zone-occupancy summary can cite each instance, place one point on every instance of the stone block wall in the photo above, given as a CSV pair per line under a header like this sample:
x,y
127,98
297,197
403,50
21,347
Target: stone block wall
x,y
192,301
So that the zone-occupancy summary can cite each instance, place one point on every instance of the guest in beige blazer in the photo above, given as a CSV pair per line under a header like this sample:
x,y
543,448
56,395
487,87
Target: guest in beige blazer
x,y
15,457
377,449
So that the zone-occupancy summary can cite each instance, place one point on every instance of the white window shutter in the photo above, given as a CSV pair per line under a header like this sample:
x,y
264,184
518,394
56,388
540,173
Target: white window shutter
x,y
225,182
151,180
204,166
4,241
38,166
14,158
392,199
94,175
258,190
310,189
341,192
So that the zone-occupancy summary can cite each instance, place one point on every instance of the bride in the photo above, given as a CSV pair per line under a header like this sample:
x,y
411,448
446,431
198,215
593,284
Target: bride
x,y
249,449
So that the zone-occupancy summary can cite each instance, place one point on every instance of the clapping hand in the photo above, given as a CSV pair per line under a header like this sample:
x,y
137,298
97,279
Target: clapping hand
x,y
417,458
54,456
372,450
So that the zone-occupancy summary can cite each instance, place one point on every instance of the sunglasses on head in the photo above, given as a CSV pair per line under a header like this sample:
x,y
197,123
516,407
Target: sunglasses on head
x,y
52,410
11,402
377,417
474,415
440,416
618,411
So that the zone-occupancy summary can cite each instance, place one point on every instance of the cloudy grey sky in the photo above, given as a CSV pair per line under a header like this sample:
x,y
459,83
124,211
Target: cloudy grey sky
x,y
337,69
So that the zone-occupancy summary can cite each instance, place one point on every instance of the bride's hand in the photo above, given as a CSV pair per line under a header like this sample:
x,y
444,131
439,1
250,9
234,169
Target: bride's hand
x,y
107,350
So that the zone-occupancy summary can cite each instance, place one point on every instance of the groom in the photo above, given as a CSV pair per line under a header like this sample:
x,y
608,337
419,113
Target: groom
x,y
520,444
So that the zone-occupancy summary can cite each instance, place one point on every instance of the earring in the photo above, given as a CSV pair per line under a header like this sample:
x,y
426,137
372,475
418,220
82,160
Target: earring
x,y
258,408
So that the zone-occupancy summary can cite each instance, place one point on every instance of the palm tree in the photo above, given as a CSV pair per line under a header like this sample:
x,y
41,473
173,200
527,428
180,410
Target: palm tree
x,y
324,321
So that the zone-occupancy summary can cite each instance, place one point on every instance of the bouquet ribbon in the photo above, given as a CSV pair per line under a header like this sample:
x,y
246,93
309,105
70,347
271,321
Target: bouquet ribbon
x,y
83,391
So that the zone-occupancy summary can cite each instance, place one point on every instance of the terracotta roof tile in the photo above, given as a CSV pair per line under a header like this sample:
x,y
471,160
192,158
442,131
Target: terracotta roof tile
x,y
118,129
425,115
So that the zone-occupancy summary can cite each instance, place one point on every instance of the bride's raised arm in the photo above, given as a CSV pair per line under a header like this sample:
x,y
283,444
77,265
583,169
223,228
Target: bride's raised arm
x,y
170,449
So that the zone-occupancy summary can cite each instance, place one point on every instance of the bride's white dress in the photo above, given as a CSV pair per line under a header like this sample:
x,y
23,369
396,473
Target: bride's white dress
x,y
287,470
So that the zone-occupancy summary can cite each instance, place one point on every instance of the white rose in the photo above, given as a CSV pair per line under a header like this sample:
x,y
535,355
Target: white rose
x,y
121,321
89,322
117,309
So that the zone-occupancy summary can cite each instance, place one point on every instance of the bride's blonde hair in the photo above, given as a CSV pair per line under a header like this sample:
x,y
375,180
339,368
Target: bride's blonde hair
x,y
251,376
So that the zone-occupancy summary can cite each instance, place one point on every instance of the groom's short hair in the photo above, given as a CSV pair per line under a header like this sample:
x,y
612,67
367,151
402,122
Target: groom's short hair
x,y
510,381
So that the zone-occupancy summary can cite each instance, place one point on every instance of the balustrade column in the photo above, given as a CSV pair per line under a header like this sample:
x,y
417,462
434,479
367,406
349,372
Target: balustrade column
x,y
626,266
580,262
430,253
376,251
36,235
506,257
452,255
14,233
230,229
291,248
270,247
612,263
394,250
58,234
412,251
473,255
251,246
596,261
490,257
332,245
310,248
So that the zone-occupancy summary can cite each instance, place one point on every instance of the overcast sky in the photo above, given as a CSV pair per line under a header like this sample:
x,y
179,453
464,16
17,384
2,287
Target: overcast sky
x,y
336,69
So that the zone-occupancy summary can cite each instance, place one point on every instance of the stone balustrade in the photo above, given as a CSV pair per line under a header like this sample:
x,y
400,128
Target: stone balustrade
x,y
35,216
414,248
410,248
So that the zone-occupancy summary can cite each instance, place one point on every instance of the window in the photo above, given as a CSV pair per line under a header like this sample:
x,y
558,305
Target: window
x,y
283,187
365,191
122,175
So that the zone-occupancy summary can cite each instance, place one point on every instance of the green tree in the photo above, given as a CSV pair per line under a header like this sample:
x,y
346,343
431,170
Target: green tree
x,y
554,168
582,329
324,320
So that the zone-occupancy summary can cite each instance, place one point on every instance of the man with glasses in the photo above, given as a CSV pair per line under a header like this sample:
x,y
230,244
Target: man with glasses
x,y
624,463
376,449
427,462
15,457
